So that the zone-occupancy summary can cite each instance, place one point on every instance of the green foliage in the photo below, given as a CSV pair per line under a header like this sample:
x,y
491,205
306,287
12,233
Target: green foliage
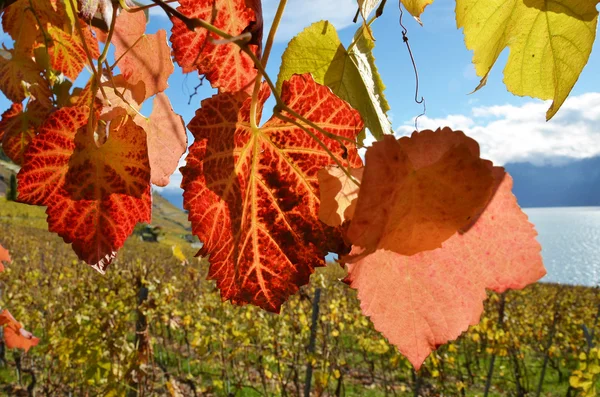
x,y
11,193
87,326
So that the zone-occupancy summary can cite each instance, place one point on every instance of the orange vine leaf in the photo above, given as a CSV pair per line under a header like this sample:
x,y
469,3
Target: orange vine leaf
x,y
196,49
142,57
167,139
67,53
422,301
15,336
253,195
21,77
19,21
417,192
4,257
95,217
339,194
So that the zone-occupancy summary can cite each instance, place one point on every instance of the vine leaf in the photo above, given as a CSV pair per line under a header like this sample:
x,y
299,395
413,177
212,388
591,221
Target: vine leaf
x,y
21,77
18,127
15,336
142,57
419,191
550,43
100,218
167,139
422,301
4,257
415,7
195,50
19,21
253,194
165,129
67,54
351,75
338,194
120,165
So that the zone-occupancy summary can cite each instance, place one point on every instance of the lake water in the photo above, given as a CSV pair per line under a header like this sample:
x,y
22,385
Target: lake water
x,y
570,238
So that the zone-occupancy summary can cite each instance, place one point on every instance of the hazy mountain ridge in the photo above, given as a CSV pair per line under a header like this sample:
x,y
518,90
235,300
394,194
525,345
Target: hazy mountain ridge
x,y
562,184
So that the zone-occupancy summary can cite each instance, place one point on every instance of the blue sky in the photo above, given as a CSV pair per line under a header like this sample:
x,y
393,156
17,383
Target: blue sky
x,y
509,128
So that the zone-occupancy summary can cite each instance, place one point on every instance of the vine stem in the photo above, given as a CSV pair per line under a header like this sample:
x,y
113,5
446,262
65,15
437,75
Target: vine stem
x,y
193,23
111,31
88,53
264,60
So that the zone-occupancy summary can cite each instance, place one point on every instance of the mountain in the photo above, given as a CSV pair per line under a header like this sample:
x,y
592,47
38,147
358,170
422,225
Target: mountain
x,y
564,184
175,197
559,182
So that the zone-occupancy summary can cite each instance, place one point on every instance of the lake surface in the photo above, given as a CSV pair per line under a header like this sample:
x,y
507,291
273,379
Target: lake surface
x,y
570,238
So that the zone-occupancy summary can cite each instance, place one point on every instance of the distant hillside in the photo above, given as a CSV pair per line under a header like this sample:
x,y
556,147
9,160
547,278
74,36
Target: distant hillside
x,y
576,183
175,197
173,221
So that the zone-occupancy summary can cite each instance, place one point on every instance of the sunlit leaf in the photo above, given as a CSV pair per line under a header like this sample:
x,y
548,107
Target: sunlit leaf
x,y
142,57
352,75
417,192
422,301
101,217
339,194
549,42
195,50
252,194
15,336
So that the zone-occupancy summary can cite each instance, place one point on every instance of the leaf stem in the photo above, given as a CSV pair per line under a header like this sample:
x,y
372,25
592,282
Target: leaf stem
x,y
88,53
194,23
111,30
263,61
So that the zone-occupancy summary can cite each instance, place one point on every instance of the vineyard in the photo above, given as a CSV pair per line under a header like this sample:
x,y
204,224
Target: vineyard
x,y
190,343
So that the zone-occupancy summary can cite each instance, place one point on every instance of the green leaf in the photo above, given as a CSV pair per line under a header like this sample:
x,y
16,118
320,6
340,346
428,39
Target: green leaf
x,y
351,75
550,43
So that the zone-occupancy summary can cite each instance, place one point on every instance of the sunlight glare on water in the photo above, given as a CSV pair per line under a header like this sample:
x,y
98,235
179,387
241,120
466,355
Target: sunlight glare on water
x,y
570,238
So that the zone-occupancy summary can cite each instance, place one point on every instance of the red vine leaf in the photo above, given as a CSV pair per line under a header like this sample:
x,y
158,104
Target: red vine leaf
x,y
142,57
18,127
253,195
98,228
119,165
422,301
339,194
4,257
15,336
47,157
167,139
418,191
67,53
196,50
100,221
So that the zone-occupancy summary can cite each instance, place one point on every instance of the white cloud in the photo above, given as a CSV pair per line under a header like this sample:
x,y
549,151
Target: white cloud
x,y
302,13
508,133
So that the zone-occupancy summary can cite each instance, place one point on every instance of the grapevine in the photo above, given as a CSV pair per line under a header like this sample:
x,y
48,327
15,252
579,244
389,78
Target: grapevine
x,y
422,227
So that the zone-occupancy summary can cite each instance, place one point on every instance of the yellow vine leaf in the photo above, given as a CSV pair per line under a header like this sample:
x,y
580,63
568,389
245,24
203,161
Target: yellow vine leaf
x,y
351,75
415,7
550,43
